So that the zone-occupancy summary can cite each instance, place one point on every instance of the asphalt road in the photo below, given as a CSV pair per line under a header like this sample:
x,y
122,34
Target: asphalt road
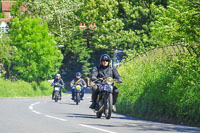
x,y
42,115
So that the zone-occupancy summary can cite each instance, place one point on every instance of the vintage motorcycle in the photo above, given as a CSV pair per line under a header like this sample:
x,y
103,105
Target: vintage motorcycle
x,y
105,98
77,97
57,92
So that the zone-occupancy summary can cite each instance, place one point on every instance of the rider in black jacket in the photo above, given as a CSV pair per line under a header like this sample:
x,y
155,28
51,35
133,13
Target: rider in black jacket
x,y
58,82
104,71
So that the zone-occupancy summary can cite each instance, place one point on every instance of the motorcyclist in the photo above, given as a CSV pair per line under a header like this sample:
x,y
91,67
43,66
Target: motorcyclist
x,y
104,71
78,81
59,83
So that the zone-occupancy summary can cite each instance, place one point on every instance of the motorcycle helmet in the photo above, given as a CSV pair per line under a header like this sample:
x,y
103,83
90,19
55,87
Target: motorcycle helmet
x,y
78,74
58,75
105,57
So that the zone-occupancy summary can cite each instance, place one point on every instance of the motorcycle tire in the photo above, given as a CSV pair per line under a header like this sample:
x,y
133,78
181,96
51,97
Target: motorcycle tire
x,y
108,100
99,114
56,96
77,98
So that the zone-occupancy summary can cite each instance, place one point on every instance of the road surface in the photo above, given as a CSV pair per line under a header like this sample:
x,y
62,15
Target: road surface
x,y
42,115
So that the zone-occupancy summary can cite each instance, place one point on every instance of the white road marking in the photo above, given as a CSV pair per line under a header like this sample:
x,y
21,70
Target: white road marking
x,y
37,103
55,118
30,107
36,112
97,128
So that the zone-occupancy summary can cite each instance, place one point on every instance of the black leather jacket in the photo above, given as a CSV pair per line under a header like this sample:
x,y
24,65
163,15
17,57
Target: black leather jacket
x,y
58,83
105,72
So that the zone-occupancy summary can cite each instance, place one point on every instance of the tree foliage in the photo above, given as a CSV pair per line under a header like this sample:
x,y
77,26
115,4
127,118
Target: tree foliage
x,y
5,47
127,24
179,20
63,22
6,53
37,56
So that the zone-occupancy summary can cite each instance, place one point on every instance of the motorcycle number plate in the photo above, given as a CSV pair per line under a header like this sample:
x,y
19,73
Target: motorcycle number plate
x,y
57,88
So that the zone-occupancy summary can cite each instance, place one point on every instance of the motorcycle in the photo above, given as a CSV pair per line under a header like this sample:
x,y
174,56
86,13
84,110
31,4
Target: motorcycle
x,y
57,92
77,97
105,98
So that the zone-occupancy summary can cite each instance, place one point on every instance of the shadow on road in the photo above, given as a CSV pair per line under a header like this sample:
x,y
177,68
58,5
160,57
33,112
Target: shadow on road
x,y
81,115
69,103
137,124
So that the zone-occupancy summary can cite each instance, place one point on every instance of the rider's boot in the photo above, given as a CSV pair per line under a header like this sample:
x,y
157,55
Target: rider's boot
x,y
114,108
94,99
60,96
53,95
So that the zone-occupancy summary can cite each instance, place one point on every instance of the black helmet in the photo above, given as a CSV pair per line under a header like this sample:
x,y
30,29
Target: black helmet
x,y
105,57
78,74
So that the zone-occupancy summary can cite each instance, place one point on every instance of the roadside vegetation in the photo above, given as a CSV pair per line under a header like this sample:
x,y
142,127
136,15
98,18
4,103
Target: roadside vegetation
x,y
24,89
161,88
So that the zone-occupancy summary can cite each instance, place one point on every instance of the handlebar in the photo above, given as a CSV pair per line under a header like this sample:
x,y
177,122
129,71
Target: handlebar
x,y
101,79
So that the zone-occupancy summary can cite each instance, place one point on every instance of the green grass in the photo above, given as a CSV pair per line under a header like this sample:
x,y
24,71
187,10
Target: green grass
x,y
24,89
161,88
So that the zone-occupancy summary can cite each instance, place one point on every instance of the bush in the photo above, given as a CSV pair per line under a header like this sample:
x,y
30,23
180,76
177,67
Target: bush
x,y
161,88
24,89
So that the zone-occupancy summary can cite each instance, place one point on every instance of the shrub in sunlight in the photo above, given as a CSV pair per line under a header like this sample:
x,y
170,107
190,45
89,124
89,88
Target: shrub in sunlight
x,y
161,88
24,89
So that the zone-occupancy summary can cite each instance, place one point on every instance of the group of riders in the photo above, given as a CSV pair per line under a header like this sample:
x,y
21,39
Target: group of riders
x,y
104,70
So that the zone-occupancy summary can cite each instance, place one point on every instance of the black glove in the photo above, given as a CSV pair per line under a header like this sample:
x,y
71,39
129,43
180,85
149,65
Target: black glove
x,y
100,79
93,78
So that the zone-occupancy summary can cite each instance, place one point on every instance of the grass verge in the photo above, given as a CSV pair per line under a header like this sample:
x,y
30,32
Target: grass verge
x,y
24,89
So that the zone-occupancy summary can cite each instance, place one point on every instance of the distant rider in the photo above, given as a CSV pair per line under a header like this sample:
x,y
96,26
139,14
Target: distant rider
x,y
59,83
104,71
78,81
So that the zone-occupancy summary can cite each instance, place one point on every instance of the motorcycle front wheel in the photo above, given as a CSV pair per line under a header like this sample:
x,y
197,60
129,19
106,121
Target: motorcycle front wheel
x,y
56,97
108,100
77,98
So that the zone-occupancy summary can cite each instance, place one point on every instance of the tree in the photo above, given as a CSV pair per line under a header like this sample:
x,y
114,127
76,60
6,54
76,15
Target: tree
x,y
37,56
6,52
63,22
5,48
179,20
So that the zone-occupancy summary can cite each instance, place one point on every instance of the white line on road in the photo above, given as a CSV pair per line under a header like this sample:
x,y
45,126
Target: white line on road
x,y
30,107
97,128
36,112
55,118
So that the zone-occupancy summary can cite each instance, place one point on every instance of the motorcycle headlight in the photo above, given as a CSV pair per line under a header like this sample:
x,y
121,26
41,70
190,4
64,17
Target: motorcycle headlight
x,y
78,87
109,80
